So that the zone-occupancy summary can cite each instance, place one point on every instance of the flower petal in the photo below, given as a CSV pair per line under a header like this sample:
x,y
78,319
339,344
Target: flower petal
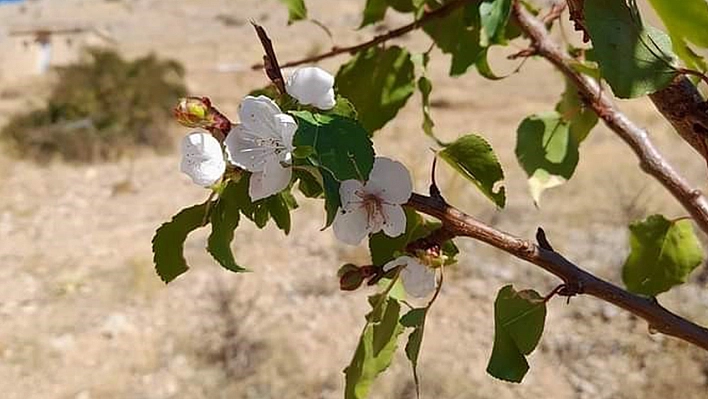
x,y
390,181
348,194
311,85
394,220
273,179
257,114
350,227
244,150
327,101
400,261
287,128
202,158
418,279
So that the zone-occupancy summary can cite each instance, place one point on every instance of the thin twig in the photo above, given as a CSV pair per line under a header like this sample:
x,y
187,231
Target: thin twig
x,y
651,161
577,280
427,17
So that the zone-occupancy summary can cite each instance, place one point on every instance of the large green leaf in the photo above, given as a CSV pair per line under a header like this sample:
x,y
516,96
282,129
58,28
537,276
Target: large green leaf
x,y
519,318
494,16
663,254
686,21
546,151
377,344
634,59
168,242
458,34
224,220
685,18
473,157
342,147
296,10
378,82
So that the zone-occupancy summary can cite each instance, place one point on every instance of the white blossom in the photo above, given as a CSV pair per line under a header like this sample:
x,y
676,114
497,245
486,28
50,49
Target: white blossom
x,y
202,158
312,86
262,144
374,206
418,279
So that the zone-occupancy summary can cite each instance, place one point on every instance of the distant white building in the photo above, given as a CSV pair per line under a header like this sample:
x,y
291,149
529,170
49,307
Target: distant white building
x,y
34,50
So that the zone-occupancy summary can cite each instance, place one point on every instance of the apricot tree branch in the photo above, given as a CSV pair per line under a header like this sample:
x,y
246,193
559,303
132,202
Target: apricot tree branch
x,y
576,280
650,160
427,16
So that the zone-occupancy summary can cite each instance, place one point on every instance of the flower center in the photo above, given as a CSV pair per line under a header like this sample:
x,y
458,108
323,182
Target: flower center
x,y
373,207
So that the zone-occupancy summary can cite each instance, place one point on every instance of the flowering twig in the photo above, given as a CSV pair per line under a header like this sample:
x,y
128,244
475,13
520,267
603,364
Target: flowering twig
x,y
576,280
427,17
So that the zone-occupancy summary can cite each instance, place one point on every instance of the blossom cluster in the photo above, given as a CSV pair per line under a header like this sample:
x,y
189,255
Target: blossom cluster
x,y
262,144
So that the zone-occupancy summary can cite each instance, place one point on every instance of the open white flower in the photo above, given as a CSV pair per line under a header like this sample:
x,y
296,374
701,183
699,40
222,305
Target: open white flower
x,y
418,279
262,144
376,205
312,86
202,158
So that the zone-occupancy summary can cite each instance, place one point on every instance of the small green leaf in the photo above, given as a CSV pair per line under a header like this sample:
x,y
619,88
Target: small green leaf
x,y
425,86
378,82
494,16
343,107
547,151
573,110
341,145
474,158
483,67
415,318
519,318
296,10
279,211
457,34
310,181
224,220
377,344
168,242
383,248
374,11
663,254
635,60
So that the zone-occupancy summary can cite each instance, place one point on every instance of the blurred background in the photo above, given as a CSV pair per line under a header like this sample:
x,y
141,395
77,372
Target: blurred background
x,y
88,170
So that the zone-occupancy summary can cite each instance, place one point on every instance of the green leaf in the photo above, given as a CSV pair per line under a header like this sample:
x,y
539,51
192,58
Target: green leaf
x,y
473,157
383,248
331,194
483,67
425,86
310,181
415,318
494,16
378,82
663,254
457,34
296,10
573,110
341,145
224,220
374,11
377,344
279,211
168,242
635,60
547,151
519,318
343,107
686,21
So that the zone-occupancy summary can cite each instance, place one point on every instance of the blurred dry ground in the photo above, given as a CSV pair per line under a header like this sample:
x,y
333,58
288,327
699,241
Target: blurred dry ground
x,y
82,314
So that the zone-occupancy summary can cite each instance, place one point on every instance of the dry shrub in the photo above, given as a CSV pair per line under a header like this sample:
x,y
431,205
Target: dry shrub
x,y
100,109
